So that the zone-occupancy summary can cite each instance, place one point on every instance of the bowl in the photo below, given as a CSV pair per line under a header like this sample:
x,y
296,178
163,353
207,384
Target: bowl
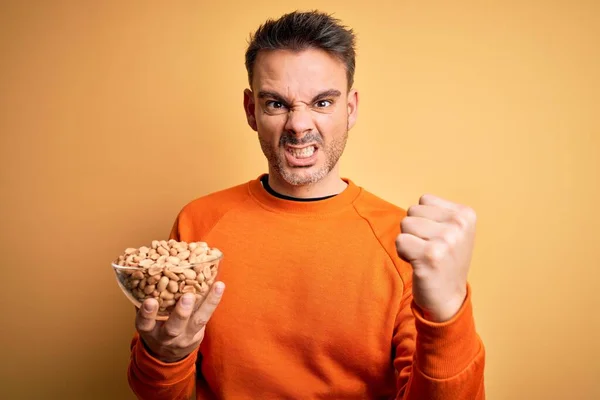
x,y
142,275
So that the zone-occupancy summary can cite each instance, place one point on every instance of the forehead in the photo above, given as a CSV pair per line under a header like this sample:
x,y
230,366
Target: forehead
x,y
298,73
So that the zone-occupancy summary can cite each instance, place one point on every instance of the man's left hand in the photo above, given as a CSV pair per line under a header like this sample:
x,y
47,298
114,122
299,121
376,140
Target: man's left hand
x,y
437,239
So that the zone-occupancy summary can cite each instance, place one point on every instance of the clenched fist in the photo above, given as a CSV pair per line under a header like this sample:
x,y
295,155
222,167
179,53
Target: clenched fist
x,y
437,238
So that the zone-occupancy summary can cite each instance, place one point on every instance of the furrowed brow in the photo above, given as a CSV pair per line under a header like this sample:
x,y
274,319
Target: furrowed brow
x,y
265,94
327,94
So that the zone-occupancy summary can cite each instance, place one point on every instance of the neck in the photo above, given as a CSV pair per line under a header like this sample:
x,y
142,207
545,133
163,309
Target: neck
x,y
330,185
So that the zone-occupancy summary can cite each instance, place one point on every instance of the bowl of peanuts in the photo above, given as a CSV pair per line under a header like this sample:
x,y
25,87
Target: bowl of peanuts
x,y
166,270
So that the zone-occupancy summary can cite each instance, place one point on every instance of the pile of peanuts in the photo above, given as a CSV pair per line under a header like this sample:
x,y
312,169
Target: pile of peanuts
x,y
168,269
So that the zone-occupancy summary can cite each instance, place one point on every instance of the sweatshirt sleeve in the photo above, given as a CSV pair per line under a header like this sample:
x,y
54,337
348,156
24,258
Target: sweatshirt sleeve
x,y
152,379
438,361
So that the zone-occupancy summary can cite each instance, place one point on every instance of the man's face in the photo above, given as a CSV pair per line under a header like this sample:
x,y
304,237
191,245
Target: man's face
x,y
302,111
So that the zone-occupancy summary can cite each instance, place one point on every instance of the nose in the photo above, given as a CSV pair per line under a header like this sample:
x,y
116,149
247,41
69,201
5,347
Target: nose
x,y
299,121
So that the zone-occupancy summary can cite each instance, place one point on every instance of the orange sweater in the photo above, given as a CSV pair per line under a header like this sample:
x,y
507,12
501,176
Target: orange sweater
x,y
317,305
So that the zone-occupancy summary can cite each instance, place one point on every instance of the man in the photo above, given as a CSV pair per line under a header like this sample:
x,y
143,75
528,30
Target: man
x,y
331,291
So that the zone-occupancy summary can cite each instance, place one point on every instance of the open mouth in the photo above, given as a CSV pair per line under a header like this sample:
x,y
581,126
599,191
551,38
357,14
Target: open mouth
x,y
301,156
304,152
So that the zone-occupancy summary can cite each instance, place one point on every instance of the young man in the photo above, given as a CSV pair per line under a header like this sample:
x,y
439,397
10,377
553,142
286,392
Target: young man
x,y
331,291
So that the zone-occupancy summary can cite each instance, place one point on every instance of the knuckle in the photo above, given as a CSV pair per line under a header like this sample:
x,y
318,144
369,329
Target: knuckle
x,y
435,253
449,237
143,324
459,219
142,327
172,331
213,300
470,215
400,241
406,223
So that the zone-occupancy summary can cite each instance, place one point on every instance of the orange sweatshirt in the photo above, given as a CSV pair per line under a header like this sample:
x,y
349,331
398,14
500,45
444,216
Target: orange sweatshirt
x,y
317,305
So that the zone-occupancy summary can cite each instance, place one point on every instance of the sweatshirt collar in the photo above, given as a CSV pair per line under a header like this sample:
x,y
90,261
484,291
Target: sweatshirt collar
x,y
328,205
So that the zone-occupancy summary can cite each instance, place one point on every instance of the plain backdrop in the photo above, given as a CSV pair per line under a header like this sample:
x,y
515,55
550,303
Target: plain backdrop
x,y
114,115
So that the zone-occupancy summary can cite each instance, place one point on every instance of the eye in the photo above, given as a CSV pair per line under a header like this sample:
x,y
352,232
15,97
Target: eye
x,y
276,105
323,103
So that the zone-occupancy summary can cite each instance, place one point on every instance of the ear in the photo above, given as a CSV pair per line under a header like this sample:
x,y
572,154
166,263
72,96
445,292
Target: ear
x,y
352,108
249,108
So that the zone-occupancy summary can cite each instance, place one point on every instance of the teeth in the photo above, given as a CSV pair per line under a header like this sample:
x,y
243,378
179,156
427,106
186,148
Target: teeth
x,y
303,153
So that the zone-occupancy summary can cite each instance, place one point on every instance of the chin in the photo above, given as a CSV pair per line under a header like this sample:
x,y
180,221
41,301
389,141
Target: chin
x,y
304,175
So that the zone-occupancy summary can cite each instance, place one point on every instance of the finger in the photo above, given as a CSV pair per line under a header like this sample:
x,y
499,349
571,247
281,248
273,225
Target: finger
x,y
145,319
178,320
431,200
206,310
433,213
410,247
421,227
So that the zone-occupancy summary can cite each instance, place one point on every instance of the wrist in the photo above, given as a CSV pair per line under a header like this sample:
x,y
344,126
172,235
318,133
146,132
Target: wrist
x,y
159,357
446,311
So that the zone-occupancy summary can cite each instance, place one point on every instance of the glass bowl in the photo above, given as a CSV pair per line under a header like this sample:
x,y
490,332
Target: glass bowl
x,y
166,282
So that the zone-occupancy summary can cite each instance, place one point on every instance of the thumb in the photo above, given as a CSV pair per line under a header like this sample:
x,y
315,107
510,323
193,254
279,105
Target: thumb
x,y
145,320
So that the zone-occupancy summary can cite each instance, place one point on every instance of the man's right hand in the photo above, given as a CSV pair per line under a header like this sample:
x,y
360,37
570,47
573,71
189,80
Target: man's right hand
x,y
174,339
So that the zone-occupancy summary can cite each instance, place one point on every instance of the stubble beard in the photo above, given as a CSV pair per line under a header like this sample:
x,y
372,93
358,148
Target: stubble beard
x,y
278,163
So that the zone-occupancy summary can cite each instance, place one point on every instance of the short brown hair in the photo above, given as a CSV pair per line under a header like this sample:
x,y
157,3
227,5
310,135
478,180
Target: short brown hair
x,y
298,31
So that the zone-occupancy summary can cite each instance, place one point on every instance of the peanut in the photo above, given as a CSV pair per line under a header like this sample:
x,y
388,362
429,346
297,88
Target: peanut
x,y
155,270
137,275
176,270
172,286
152,280
171,275
188,289
162,284
165,270
149,289
189,273
207,272
174,260
168,303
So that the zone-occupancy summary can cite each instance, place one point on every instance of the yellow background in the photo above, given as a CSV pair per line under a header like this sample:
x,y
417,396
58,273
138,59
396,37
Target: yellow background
x,y
115,114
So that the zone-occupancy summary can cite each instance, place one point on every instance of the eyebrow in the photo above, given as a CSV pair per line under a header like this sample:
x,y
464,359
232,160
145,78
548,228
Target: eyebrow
x,y
274,95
